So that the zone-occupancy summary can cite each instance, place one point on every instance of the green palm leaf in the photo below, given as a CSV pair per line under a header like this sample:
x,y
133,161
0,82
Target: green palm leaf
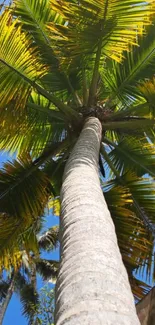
x,y
24,68
135,242
16,70
36,133
48,269
35,16
30,302
49,239
18,209
110,22
139,157
147,89
138,64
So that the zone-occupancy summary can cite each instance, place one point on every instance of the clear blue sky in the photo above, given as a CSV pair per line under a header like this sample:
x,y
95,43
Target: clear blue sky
x,y
14,312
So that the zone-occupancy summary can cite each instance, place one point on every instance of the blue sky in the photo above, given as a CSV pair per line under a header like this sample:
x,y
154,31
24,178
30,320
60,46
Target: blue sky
x,y
14,312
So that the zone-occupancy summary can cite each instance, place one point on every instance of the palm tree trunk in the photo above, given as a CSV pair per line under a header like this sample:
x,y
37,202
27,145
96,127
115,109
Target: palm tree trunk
x,y
8,297
92,286
33,278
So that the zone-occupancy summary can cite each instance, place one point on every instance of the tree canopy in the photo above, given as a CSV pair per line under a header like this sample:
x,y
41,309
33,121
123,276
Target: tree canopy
x,y
61,62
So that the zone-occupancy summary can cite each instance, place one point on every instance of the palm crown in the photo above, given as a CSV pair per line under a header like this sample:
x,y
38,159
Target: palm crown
x,y
61,62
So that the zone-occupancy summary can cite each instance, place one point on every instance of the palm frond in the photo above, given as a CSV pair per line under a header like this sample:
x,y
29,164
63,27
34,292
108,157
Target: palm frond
x,y
143,191
139,288
35,17
37,130
49,239
22,70
133,154
115,24
16,69
134,110
138,65
30,302
48,269
15,184
20,281
23,198
4,286
147,89
135,242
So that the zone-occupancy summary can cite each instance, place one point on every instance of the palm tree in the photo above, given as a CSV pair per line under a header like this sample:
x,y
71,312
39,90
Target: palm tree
x,y
73,80
23,281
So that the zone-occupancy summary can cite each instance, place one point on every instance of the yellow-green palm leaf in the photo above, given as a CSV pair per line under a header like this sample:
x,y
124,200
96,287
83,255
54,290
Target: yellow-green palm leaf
x,y
111,25
20,70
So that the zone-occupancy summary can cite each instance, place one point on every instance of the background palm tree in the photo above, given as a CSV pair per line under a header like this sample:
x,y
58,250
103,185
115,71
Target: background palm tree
x,y
23,281
63,66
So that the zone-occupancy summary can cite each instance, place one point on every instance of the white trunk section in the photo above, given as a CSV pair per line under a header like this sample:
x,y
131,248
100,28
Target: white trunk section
x,y
92,286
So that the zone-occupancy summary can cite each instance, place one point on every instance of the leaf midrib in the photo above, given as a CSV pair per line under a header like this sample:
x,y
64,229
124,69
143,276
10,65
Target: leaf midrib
x,y
37,23
137,67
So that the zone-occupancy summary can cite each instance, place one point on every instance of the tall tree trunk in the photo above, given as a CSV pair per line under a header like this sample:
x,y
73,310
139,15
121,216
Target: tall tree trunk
x,y
8,297
33,278
92,286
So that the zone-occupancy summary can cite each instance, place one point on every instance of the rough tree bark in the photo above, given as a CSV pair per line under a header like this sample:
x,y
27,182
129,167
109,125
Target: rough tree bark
x,y
92,286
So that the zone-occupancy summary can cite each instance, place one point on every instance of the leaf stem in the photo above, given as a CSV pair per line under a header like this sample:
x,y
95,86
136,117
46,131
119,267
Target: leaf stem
x,y
128,125
85,87
93,86
124,112
65,109
50,112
